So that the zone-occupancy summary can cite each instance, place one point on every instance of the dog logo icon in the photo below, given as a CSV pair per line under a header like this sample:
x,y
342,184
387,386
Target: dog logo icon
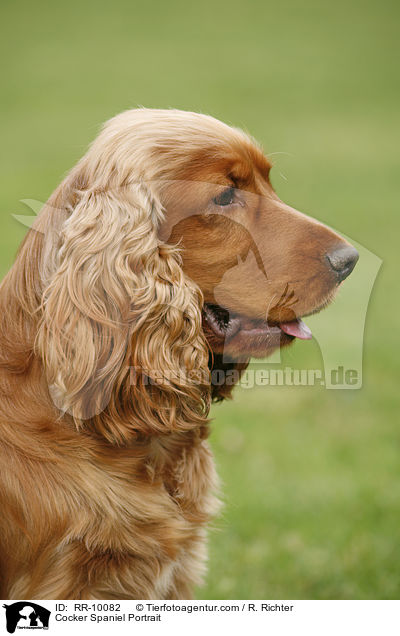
x,y
26,615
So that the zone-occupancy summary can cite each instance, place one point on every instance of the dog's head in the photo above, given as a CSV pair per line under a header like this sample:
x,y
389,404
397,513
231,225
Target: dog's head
x,y
260,264
165,242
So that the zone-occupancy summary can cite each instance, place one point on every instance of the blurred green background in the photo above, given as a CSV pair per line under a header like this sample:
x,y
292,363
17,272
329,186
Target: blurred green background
x,y
310,476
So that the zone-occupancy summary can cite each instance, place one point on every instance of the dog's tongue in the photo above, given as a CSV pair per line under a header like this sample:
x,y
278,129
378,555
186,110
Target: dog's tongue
x,y
296,328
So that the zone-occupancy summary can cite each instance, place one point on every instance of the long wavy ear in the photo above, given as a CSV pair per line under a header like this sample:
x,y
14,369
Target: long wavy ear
x,y
120,333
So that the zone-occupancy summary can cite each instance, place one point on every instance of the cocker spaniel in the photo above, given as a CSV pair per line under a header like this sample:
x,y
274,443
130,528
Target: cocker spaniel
x,y
164,255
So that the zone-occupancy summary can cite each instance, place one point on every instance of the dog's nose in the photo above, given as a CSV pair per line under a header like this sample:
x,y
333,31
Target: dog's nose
x,y
342,260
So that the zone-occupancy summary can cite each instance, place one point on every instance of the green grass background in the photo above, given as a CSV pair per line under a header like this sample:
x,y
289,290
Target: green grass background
x,y
310,476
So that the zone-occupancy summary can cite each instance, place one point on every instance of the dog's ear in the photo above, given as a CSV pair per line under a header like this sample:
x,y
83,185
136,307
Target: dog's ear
x,y
120,330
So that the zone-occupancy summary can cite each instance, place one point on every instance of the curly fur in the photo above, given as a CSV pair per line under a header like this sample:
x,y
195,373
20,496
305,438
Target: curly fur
x,y
106,512
107,478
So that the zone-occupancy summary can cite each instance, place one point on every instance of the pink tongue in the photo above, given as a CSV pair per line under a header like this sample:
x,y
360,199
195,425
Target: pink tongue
x,y
296,328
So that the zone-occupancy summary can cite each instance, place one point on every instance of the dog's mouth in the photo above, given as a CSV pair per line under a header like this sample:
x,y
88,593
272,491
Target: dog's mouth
x,y
224,328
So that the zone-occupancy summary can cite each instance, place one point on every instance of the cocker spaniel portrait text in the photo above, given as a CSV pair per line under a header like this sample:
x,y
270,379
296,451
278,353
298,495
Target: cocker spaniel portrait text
x,y
163,256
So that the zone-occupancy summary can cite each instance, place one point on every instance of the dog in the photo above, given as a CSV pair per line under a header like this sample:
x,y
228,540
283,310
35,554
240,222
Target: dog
x,y
164,256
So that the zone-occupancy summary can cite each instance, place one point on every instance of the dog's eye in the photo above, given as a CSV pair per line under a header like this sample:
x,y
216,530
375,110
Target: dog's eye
x,y
226,197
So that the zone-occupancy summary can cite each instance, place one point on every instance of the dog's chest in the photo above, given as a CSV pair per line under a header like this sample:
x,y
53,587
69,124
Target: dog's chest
x,y
133,499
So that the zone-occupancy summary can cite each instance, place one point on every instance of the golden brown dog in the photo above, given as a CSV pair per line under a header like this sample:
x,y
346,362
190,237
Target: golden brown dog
x,y
163,255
